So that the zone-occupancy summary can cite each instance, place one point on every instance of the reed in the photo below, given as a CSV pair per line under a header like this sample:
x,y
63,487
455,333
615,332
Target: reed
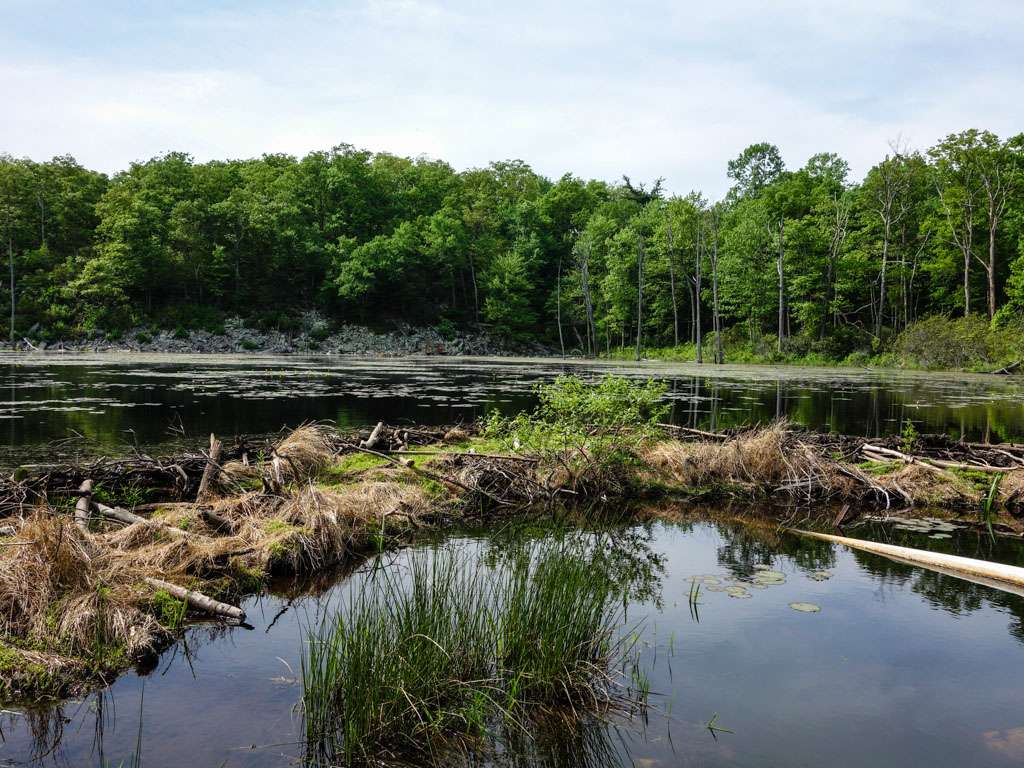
x,y
447,652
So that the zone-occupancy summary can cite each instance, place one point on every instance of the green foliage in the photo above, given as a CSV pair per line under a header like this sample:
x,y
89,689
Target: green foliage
x,y
373,238
909,436
969,342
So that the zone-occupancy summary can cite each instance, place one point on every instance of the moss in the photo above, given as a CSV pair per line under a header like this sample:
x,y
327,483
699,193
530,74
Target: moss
x,y
977,481
357,462
879,468
247,580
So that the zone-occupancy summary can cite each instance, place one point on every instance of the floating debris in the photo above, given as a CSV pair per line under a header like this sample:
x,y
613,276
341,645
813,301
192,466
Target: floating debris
x,y
805,607
820,575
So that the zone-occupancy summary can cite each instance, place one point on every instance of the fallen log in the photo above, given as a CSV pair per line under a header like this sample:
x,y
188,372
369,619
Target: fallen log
x,y
374,438
82,506
1008,369
697,432
198,600
211,469
889,454
129,518
1008,578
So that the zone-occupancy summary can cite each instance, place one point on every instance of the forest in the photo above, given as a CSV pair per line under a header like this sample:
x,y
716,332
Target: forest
x,y
923,258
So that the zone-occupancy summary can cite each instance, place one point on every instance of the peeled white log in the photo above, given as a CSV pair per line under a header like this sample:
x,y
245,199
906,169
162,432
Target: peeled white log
x,y
198,600
1008,578
130,518
82,506
374,438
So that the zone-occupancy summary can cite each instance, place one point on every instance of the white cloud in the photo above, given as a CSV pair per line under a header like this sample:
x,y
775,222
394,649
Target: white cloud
x,y
670,90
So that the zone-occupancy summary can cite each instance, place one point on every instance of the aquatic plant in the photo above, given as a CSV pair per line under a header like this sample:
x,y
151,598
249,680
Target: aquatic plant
x,y
447,651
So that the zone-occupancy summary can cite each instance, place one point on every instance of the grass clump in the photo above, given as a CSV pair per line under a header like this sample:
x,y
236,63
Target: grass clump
x,y
445,653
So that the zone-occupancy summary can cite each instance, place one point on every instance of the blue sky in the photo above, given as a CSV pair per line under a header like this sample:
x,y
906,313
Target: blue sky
x,y
600,89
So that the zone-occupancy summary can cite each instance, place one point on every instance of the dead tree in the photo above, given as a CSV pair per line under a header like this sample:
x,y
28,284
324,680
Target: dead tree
x,y
587,300
672,278
716,317
696,292
640,295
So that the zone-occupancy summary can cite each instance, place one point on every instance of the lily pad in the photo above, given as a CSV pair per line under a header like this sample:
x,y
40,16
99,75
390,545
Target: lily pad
x,y
805,607
738,592
820,575
770,577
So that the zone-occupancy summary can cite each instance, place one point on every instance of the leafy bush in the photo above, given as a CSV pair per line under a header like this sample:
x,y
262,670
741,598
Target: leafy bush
x,y
942,342
588,431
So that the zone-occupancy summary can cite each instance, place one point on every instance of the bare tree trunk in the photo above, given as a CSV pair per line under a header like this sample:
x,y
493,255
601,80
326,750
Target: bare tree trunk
x,y
640,295
588,302
558,304
696,305
881,280
716,315
991,268
10,263
476,295
672,281
780,267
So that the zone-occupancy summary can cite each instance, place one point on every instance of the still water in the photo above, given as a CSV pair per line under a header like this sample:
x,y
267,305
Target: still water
x,y
117,400
898,667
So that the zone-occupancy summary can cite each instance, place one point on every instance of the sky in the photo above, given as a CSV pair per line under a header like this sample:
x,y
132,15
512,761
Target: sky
x,y
599,89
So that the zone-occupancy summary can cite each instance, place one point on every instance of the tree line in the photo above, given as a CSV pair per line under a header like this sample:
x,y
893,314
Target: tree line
x,y
801,259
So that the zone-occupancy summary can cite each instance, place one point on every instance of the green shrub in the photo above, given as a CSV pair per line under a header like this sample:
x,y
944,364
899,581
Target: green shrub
x,y
941,342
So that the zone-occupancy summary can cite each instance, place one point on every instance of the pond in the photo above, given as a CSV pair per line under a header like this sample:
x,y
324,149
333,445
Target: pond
x,y
823,656
116,400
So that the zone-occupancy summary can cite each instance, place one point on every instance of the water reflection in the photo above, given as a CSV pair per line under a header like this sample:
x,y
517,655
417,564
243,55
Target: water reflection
x,y
901,666
114,400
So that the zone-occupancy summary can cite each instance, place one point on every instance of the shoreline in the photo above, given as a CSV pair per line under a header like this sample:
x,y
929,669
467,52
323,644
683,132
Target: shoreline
x,y
94,579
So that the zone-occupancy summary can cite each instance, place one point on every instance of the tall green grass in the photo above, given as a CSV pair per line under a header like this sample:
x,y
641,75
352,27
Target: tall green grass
x,y
449,652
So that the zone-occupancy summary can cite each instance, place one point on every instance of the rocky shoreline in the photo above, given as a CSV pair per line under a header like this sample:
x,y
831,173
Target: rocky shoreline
x,y
316,337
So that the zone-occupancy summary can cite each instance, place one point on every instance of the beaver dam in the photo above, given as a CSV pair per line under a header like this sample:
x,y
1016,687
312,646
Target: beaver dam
x,y
105,563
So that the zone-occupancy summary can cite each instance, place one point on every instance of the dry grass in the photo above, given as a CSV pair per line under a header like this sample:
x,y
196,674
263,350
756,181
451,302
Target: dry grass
x,y
929,488
75,596
769,460
303,453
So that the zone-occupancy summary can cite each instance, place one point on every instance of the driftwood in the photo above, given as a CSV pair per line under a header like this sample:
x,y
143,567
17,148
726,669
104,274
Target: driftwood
x,y
129,518
936,465
374,438
82,506
1007,369
198,600
888,454
1009,578
211,469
